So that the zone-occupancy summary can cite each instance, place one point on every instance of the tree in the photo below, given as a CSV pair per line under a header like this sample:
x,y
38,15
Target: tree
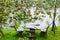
x,y
54,25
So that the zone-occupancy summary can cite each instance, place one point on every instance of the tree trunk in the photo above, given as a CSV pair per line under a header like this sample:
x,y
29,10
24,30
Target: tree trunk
x,y
53,25
1,33
15,28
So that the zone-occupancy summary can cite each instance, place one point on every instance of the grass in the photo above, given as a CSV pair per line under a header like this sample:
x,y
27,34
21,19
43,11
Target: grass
x,y
10,34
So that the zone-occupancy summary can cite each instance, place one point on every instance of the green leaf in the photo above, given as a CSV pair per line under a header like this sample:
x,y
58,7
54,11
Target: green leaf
x,y
19,12
59,16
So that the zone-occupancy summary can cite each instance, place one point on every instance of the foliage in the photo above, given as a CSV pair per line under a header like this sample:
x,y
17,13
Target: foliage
x,y
10,34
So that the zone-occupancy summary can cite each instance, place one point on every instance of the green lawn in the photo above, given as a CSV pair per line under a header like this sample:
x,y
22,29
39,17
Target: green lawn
x,y
10,34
